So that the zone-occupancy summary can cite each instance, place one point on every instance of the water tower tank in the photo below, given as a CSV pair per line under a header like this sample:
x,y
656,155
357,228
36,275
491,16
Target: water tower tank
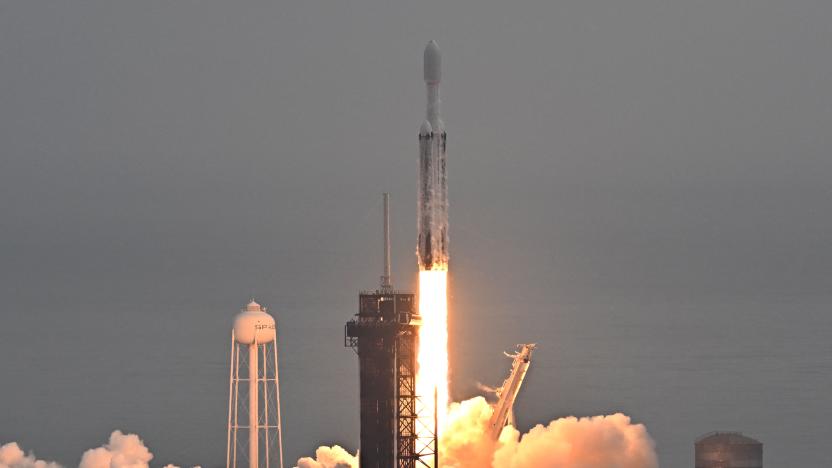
x,y
253,323
728,450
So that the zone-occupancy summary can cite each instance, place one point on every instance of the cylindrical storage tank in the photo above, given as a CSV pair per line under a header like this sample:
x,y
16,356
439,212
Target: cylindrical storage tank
x,y
253,325
728,450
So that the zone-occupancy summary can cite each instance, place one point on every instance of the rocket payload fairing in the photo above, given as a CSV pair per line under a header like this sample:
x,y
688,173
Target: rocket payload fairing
x,y
432,249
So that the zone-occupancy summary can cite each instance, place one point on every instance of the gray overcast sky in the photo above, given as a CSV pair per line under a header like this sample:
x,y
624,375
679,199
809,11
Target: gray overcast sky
x,y
641,187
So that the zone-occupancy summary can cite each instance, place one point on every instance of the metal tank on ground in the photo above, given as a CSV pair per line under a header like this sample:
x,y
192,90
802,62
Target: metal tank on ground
x,y
728,450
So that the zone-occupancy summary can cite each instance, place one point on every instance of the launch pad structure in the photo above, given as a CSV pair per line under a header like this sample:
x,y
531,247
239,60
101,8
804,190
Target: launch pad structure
x,y
507,393
385,335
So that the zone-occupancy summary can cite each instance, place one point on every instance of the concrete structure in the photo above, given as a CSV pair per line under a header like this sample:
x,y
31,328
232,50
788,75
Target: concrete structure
x,y
255,434
728,450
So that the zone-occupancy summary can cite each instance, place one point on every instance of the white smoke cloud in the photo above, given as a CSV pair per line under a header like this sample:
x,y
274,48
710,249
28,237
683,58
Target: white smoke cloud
x,y
611,441
329,457
464,442
592,442
12,456
122,451
597,441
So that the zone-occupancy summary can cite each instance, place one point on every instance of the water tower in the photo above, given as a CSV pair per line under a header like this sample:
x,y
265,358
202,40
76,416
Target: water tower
x,y
254,431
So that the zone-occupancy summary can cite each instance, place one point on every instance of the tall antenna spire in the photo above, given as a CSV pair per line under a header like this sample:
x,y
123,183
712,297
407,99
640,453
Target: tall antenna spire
x,y
385,277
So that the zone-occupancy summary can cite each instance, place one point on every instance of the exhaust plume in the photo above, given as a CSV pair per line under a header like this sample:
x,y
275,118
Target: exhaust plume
x,y
485,388
122,451
12,456
611,441
329,457
589,442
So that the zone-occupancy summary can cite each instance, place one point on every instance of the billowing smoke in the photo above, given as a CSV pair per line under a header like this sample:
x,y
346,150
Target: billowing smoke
x,y
12,456
598,441
464,441
592,442
122,451
329,457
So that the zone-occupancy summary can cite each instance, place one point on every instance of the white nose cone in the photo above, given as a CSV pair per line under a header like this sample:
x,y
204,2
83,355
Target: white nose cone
x,y
433,63
253,325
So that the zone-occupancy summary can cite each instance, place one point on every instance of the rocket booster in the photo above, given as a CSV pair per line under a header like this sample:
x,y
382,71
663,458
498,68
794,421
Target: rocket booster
x,y
432,249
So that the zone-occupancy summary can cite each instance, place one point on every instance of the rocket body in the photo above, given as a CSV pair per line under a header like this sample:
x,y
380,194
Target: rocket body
x,y
432,249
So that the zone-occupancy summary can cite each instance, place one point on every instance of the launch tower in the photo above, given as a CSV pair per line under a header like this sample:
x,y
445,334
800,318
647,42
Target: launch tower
x,y
384,334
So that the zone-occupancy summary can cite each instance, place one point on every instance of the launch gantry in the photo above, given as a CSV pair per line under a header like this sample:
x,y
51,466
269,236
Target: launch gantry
x,y
385,335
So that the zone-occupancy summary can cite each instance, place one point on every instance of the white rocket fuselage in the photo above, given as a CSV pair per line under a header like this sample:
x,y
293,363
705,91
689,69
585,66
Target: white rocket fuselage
x,y
432,249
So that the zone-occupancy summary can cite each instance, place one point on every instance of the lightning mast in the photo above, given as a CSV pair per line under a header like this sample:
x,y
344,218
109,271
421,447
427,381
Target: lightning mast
x,y
386,285
507,393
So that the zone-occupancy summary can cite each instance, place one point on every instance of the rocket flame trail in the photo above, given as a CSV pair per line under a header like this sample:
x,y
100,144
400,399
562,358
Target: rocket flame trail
x,y
432,253
433,344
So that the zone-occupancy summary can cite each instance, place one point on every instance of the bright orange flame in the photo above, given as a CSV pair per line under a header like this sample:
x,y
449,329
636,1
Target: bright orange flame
x,y
433,348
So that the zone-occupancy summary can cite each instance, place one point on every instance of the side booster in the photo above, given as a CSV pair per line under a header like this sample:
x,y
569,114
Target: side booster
x,y
432,249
